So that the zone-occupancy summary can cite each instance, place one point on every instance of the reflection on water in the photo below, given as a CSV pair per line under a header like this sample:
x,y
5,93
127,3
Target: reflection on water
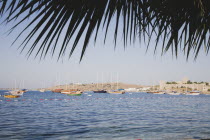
x,y
105,116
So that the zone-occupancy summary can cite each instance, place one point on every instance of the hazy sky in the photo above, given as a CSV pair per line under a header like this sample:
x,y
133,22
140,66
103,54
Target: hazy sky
x,y
133,64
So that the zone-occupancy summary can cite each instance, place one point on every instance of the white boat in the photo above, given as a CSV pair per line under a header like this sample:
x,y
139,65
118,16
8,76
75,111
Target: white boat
x,y
195,92
173,93
42,90
71,92
157,92
16,92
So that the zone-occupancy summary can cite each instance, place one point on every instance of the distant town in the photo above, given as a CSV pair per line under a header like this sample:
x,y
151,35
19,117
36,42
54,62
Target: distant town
x,y
183,85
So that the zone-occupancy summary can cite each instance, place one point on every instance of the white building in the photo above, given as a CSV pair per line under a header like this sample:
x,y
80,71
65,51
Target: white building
x,y
183,84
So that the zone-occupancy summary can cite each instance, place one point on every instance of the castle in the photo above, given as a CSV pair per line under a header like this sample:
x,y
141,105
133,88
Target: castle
x,y
185,83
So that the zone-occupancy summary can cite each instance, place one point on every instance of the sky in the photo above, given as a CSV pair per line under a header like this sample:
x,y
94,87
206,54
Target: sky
x,y
101,63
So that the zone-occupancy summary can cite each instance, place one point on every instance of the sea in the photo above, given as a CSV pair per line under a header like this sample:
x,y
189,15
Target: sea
x,y
102,116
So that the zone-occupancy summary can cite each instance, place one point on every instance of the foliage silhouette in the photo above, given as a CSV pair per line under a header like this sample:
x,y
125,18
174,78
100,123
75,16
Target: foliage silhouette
x,y
176,24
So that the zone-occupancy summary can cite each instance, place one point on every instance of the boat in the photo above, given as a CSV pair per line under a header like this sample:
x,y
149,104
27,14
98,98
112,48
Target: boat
x,y
100,91
68,91
116,92
17,92
156,92
72,92
117,89
75,93
42,90
58,90
23,90
195,92
11,96
173,93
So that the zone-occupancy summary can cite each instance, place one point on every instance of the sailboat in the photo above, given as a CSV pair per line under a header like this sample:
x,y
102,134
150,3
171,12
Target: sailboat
x,y
59,89
11,96
173,93
15,93
194,92
73,92
42,89
156,92
117,91
99,90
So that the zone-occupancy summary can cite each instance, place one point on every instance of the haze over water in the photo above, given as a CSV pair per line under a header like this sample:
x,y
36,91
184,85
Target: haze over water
x,y
105,116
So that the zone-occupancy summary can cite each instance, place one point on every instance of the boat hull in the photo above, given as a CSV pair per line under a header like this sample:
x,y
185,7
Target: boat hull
x,y
193,94
156,92
116,92
100,91
71,92
42,90
57,90
11,96
173,93
74,94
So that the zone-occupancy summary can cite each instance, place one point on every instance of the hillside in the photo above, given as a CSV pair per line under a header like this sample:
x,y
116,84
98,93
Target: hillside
x,y
97,86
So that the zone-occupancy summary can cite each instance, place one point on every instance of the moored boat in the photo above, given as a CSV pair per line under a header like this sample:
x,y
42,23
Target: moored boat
x,y
58,90
100,91
156,92
75,93
116,92
195,92
11,96
42,90
173,93
72,92
17,92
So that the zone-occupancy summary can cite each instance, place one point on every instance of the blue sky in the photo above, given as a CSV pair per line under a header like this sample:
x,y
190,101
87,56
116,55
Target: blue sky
x,y
133,64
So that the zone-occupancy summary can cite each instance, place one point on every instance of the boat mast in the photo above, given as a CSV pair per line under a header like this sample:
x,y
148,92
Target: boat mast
x,y
59,81
102,81
22,86
66,85
97,80
186,88
15,84
117,81
111,82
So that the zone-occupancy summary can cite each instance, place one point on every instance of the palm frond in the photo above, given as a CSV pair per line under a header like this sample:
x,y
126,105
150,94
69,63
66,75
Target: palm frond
x,y
176,24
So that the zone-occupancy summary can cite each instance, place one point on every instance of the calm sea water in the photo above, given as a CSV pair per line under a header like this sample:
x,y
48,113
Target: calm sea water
x,y
105,116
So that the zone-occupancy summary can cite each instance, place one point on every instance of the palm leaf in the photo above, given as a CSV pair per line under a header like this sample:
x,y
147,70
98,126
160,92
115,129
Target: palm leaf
x,y
176,24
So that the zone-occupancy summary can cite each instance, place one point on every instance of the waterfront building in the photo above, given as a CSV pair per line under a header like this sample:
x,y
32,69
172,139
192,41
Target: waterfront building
x,y
185,83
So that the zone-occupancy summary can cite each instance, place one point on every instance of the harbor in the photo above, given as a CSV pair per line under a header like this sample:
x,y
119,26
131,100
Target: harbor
x,y
184,87
107,116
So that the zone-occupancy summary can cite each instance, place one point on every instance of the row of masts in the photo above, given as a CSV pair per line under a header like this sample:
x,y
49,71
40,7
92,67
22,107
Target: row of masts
x,y
111,81
99,83
21,85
